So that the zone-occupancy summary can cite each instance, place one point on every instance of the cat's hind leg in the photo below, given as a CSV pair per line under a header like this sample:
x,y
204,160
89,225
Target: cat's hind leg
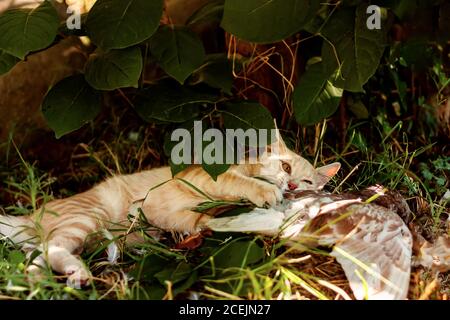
x,y
61,259
59,253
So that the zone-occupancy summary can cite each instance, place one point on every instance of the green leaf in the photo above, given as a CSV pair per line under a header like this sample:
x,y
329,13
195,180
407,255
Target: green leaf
x,y
174,273
117,24
70,104
212,11
171,103
114,69
7,62
178,51
183,286
169,144
441,181
315,98
15,257
146,268
180,275
405,9
266,21
245,115
217,72
248,116
239,255
215,170
427,174
154,291
25,30
188,125
153,271
34,254
177,168
418,53
358,48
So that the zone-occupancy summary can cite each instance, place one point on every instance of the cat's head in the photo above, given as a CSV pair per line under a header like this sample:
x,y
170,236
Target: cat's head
x,y
289,171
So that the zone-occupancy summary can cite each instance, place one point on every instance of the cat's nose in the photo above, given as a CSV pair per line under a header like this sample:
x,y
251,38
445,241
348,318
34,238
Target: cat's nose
x,y
292,186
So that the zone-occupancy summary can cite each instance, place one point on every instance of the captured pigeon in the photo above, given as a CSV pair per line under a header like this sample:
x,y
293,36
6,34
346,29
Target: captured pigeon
x,y
368,236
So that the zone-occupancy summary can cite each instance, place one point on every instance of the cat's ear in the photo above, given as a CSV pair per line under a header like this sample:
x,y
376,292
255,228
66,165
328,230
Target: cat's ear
x,y
327,172
278,144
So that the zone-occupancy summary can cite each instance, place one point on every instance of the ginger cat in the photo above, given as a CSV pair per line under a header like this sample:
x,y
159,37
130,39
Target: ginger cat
x,y
60,228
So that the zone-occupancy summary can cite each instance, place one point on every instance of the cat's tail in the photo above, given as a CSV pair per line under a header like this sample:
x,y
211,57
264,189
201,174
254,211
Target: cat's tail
x,y
16,229
265,221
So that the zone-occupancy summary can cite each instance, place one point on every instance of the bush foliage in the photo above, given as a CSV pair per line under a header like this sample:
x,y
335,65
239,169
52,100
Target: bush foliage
x,y
128,37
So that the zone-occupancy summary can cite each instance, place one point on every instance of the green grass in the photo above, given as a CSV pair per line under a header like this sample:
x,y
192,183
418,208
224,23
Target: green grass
x,y
225,266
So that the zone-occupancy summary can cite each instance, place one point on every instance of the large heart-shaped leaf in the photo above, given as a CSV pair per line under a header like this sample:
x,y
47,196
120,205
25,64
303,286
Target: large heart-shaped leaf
x,y
114,69
213,169
250,117
238,254
25,30
154,271
212,11
315,98
217,72
7,61
267,21
70,104
171,103
174,273
216,169
117,24
177,168
178,50
246,115
148,266
358,48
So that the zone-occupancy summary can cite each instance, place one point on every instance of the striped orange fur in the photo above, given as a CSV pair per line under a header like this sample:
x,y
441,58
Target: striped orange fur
x,y
61,227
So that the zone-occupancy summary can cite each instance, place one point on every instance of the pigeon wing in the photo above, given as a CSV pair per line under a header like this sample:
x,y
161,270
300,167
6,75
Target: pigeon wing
x,y
265,221
374,247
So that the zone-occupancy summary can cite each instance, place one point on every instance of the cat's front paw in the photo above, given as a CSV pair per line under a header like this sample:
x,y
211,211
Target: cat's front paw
x,y
265,194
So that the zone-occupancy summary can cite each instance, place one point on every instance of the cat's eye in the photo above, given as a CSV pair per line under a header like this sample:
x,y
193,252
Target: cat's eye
x,y
286,167
307,181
